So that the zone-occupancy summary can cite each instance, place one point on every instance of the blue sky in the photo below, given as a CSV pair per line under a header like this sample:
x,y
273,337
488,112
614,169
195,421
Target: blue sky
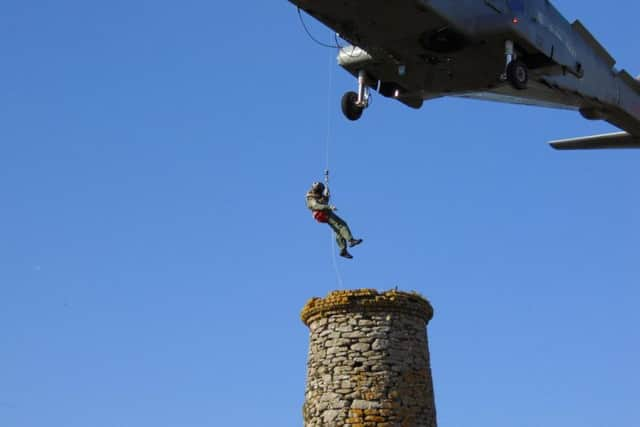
x,y
155,249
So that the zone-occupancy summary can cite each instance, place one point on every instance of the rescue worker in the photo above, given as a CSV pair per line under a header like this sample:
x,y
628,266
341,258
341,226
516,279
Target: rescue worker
x,y
323,212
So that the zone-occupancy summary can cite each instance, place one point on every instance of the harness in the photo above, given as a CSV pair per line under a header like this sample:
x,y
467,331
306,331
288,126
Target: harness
x,y
321,216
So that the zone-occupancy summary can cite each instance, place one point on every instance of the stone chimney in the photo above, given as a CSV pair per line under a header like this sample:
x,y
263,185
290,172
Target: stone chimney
x,y
368,362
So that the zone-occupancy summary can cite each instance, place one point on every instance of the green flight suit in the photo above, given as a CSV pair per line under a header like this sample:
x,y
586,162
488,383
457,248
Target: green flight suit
x,y
320,203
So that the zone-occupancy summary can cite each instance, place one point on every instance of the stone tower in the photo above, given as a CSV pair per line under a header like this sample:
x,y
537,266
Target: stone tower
x,y
368,362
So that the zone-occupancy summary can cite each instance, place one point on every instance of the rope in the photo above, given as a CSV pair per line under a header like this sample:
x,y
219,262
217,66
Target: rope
x,y
327,164
333,37
335,263
306,29
329,111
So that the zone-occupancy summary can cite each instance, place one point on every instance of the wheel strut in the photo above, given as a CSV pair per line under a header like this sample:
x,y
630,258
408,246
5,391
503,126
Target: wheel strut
x,y
508,51
353,104
509,57
363,90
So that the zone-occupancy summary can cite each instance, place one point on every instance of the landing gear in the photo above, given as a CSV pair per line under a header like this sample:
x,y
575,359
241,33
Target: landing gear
x,y
353,104
516,71
518,74
350,107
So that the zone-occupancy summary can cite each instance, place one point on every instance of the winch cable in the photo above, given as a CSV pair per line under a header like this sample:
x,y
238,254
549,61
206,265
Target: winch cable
x,y
327,146
334,39
306,29
327,152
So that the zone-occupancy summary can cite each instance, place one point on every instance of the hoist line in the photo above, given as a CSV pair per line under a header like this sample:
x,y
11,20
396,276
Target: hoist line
x,y
327,164
329,111
315,40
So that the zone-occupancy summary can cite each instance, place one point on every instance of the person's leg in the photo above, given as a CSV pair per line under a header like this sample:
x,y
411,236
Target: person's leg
x,y
342,244
340,227
337,225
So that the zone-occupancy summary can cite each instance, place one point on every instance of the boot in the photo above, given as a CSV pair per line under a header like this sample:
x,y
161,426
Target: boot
x,y
354,242
345,254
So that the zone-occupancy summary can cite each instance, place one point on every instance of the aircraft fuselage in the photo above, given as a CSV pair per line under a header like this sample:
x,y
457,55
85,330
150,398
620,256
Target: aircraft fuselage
x,y
425,49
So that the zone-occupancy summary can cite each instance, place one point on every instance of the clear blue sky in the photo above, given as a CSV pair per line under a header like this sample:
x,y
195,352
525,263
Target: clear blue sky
x,y
155,250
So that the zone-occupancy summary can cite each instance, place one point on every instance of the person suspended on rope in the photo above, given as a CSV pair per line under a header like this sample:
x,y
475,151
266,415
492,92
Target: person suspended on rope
x,y
318,202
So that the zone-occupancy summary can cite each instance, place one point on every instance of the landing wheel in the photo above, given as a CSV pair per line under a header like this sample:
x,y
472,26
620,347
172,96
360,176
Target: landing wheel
x,y
350,108
518,74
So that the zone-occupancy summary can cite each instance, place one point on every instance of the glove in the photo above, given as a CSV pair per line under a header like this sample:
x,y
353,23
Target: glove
x,y
333,208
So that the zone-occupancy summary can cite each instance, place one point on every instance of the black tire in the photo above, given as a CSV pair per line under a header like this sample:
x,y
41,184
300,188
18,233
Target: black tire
x,y
349,108
518,74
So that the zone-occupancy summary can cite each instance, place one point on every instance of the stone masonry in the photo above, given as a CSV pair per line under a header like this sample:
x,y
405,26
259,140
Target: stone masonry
x,y
368,363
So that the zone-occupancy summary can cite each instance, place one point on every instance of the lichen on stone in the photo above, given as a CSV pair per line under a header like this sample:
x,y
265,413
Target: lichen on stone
x,y
367,300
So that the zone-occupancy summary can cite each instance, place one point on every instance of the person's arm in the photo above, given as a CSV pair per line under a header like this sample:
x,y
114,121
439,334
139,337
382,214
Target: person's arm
x,y
315,205
326,196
